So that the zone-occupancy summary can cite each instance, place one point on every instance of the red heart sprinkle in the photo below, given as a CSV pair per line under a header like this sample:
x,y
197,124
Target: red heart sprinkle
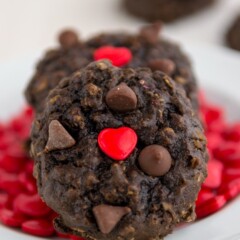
x,y
119,56
117,143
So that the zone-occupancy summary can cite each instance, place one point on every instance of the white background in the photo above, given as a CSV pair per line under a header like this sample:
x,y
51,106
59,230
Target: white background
x,y
27,26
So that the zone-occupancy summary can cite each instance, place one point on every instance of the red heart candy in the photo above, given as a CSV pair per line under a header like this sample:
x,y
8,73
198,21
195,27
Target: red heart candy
x,y
211,206
117,143
119,56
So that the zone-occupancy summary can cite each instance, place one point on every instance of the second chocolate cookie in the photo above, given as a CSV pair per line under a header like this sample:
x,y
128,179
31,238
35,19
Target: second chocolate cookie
x,y
144,49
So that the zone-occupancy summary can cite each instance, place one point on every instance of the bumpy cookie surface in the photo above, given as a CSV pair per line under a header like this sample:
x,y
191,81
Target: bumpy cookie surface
x,y
166,11
119,153
233,35
146,48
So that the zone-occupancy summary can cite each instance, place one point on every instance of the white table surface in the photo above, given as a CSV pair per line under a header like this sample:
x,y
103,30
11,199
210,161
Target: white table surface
x,y
30,25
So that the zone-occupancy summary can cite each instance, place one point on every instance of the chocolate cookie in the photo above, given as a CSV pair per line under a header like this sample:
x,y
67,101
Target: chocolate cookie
x,y
166,11
119,153
233,35
141,50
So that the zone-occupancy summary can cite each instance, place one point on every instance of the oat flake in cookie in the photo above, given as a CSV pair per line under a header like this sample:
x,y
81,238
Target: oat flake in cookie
x,y
145,49
100,182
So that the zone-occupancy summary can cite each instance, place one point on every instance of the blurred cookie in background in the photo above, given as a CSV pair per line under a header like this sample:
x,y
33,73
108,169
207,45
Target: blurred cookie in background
x,y
166,11
233,35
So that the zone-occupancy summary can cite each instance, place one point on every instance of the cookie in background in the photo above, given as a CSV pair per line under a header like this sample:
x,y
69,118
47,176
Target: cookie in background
x,y
163,10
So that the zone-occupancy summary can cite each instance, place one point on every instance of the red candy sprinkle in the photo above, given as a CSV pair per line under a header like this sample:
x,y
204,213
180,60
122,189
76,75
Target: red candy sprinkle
x,y
204,195
230,174
232,133
38,227
30,205
232,160
214,141
117,143
61,235
3,200
230,190
10,183
226,149
119,56
214,178
10,218
211,206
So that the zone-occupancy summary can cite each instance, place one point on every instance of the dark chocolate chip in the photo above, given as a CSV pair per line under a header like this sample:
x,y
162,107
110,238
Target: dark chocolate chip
x,y
107,216
121,98
165,65
58,137
68,38
150,33
155,160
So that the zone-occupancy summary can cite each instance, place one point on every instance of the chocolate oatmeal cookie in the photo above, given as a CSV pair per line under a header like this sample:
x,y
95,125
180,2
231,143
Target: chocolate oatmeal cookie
x,y
119,153
144,49
233,35
165,10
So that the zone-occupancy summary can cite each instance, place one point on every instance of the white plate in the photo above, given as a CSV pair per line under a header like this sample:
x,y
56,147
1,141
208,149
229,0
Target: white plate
x,y
218,70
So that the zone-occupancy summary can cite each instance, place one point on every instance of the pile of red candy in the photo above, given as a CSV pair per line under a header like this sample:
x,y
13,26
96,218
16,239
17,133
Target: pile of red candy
x,y
21,207
223,182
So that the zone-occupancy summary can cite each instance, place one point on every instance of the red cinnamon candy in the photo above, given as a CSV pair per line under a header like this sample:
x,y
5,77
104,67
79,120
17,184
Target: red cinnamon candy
x,y
204,195
223,180
232,132
10,184
211,206
30,205
38,227
231,174
11,219
4,198
214,179
230,190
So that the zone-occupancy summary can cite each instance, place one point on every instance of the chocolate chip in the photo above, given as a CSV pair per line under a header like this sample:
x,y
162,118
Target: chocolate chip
x,y
108,216
58,137
150,32
121,98
155,160
68,38
165,65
